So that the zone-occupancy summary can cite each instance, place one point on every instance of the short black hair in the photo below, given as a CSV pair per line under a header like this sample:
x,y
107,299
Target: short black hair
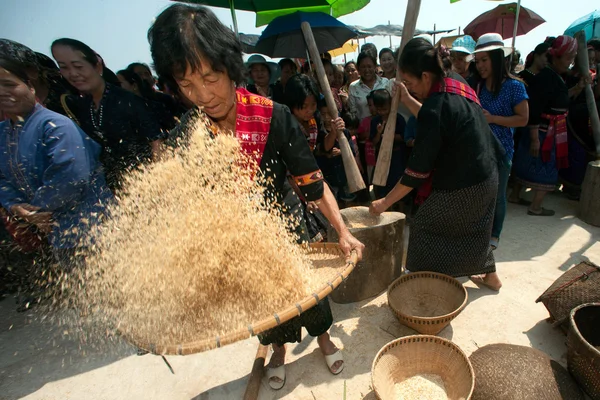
x,y
15,67
89,55
420,56
182,35
371,49
350,62
365,55
351,119
595,43
381,97
132,66
19,53
288,61
297,89
134,79
386,50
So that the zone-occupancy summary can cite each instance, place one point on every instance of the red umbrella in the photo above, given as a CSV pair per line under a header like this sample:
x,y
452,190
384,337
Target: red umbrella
x,y
502,20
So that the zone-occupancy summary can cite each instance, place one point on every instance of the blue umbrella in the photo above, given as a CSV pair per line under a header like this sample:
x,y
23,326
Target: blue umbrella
x,y
590,24
283,36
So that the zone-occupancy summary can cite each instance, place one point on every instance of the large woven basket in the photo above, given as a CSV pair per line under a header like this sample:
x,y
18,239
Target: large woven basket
x,y
426,301
336,270
422,354
511,372
583,344
577,286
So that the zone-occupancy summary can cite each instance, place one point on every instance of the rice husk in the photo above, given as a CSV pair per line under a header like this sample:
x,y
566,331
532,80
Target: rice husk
x,y
422,386
192,250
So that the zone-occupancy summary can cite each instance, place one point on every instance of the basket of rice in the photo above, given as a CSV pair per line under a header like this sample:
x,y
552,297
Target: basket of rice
x,y
426,301
422,367
583,345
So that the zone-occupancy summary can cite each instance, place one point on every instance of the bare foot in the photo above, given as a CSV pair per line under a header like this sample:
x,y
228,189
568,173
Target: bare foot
x,y
328,348
491,281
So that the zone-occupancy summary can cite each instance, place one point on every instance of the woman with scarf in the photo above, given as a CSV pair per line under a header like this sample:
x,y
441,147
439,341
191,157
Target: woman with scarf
x,y
115,118
450,233
195,53
544,151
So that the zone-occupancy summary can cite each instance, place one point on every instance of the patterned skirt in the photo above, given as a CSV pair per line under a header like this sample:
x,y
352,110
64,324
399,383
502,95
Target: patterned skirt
x,y
451,232
531,171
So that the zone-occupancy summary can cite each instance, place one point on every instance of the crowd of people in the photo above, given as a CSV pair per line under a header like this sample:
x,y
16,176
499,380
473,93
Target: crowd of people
x,y
470,130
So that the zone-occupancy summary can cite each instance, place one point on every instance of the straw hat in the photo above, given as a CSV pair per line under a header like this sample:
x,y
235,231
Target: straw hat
x,y
258,59
491,41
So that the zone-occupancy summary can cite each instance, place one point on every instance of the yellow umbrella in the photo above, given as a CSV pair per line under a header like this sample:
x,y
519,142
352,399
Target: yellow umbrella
x,y
348,47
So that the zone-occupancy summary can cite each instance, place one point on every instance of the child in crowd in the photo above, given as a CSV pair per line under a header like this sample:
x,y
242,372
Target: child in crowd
x,y
382,102
329,157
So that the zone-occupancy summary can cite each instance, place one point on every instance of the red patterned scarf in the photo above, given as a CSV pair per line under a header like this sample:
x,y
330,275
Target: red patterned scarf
x,y
557,132
452,86
253,122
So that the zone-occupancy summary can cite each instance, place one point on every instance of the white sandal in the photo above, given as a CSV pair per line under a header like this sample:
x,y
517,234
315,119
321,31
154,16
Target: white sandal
x,y
278,373
332,359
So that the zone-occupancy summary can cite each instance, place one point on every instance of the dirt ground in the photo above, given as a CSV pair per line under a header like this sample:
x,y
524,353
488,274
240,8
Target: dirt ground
x,y
39,361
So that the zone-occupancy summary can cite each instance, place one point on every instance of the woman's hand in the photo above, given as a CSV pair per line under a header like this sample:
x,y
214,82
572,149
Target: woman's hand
x,y
348,243
489,117
534,147
336,152
378,206
312,206
339,124
31,215
400,87
380,128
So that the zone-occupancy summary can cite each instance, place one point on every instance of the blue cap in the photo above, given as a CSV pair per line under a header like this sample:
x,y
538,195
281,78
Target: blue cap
x,y
465,44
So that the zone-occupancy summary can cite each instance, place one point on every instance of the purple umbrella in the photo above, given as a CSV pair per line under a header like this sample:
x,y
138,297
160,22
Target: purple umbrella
x,y
502,20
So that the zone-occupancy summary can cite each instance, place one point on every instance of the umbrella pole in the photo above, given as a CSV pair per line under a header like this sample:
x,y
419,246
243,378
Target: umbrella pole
x,y
234,18
382,167
355,181
515,30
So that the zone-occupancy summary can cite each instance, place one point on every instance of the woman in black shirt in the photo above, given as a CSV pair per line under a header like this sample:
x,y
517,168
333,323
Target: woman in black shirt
x,y
452,229
115,118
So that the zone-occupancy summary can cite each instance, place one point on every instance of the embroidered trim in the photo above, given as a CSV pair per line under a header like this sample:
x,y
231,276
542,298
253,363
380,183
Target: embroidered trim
x,y
415,174
307,179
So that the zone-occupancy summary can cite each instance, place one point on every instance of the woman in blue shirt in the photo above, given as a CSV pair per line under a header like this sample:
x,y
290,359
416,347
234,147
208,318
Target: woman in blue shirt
x,y
50,176
504,100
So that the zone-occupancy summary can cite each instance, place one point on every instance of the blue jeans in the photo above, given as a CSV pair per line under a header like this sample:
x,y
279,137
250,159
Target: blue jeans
x,y
500,213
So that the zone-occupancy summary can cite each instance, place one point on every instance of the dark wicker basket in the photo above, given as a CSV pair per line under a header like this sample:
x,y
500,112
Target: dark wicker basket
x,y
583,344
577,286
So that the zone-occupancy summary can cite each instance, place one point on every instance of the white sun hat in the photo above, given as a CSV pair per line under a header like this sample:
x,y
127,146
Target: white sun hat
x,y
491,41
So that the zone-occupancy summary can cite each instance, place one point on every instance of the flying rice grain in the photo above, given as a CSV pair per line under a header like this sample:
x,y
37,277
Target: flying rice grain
x,y
192,250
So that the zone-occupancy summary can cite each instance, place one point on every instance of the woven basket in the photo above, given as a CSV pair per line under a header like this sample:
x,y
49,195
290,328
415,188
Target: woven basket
x,y
422,354
583,344
511,372
335,271
427,301
577,286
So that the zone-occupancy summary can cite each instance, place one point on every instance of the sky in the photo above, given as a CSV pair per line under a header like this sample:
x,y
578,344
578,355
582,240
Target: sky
x,y
117,29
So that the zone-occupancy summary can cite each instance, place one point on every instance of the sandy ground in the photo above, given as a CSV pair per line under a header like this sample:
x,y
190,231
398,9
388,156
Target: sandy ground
x,y
37,362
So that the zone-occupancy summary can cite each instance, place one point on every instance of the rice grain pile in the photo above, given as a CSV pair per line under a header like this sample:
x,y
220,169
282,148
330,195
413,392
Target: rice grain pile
x,y
192,251
421,387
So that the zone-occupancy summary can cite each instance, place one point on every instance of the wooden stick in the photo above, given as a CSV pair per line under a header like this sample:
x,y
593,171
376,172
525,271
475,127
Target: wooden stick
x,y
258,370
582,54
382,167
355,181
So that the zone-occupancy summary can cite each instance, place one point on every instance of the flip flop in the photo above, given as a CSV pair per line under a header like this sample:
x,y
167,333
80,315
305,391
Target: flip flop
x,y
278,373
521,202
543,213
479,281
332,359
